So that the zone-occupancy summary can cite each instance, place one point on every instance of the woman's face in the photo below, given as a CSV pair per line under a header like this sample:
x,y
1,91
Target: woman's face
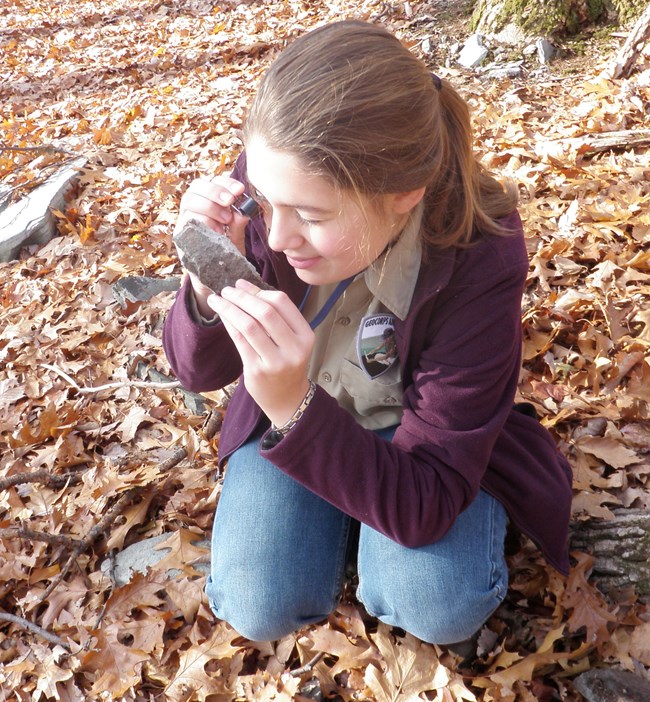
x,y
326,235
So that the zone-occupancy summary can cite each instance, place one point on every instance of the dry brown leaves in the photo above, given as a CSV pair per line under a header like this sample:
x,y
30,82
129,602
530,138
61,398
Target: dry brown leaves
x,y
153,94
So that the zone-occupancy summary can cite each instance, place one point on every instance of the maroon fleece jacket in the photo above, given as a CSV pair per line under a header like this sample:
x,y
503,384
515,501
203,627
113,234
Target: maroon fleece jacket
x,y
460,351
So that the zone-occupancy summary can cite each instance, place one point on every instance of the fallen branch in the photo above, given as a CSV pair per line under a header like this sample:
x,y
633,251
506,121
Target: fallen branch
x,y
54,539
213,424
48,149
627,56
102,525
112,386
192,400
178,455
40,476
309,666
590,144
34,628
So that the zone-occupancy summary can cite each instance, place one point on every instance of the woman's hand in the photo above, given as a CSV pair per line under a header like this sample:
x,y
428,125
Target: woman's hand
x,y
275,343
210,202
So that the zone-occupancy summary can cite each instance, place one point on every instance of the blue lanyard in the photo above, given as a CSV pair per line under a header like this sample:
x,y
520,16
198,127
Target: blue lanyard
x,y
331,301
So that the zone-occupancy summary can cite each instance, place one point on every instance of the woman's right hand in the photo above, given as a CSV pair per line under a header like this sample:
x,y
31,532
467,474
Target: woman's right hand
x,y
210,202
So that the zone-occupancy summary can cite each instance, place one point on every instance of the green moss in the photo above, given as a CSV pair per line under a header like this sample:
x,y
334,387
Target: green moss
x,y
550,18
629,9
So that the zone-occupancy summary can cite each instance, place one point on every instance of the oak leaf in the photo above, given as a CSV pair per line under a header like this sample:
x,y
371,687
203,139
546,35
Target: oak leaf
x,y
50,674
142,593
410,668
184,552
192,677
130,424
587,606
351,653
640,643
117,667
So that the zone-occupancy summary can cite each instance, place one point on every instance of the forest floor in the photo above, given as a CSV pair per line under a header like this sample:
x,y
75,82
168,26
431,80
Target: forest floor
x,y
152,94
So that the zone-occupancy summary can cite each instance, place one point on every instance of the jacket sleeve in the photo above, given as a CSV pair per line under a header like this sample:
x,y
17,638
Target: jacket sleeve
x,y
456,402
203,357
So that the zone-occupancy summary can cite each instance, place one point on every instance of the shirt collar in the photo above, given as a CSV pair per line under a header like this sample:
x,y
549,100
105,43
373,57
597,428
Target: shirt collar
x,y
392,277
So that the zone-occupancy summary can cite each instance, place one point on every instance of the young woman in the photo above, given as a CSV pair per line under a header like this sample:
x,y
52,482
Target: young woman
x,y
377,224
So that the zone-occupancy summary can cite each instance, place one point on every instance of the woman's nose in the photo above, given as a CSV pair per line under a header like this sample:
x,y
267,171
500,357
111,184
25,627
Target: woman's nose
x,y
283,233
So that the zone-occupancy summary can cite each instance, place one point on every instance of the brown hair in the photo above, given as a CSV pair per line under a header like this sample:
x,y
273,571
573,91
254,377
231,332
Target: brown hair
x,y
354,104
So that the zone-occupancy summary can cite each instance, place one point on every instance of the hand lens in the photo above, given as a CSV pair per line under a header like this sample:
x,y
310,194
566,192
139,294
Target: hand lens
x,y
247,206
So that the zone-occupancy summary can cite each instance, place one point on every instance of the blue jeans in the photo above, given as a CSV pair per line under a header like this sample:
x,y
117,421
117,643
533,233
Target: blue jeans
x,y
279,555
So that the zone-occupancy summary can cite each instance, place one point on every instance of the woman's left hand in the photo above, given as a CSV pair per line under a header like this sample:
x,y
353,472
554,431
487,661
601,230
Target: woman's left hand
x,y
275,343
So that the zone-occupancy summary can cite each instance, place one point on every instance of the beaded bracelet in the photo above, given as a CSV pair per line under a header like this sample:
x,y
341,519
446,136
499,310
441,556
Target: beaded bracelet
x,y
293,420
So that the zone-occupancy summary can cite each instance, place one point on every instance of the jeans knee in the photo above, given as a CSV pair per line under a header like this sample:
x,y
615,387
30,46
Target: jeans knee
x,y
443,619
445,591
261,612
250,612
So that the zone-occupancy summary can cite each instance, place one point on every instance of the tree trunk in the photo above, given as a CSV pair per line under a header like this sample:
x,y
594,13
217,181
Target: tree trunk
x,y
620,547
639,37
547,18
602,685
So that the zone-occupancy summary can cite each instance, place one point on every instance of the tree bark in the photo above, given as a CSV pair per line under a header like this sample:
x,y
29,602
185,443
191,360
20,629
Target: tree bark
x,y
628,55
620,547
547,18
603,685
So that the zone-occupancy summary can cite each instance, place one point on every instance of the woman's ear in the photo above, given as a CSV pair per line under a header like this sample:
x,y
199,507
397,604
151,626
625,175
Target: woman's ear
x,y
402,203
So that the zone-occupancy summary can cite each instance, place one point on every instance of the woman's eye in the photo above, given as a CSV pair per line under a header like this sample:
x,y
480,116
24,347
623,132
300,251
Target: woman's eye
x,y
310,222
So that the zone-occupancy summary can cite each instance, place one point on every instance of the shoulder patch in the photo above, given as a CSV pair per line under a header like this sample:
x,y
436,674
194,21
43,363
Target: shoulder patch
x,y
376,344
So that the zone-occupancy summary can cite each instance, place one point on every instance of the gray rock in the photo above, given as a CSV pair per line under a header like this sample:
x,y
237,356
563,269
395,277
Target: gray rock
x,y
141,556
506,70
213,258
194,402
138,288
529,50
30,220
608,685
545,51
5,191
473,52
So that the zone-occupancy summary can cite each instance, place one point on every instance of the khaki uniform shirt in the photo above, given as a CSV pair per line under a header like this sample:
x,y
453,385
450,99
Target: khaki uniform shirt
x,y
370,390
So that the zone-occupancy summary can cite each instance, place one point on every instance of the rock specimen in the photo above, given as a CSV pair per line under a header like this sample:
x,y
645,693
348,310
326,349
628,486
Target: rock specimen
x,y
213,258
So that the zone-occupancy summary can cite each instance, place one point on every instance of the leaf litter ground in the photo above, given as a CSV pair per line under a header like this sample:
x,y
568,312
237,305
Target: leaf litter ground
x,y
152,95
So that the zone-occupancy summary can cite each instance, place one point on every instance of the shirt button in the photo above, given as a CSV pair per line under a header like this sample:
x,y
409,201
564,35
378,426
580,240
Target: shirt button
x,y
343,321
327,378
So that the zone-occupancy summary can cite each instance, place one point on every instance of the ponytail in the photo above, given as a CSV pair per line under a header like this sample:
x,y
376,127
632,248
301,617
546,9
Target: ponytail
x,y
462,197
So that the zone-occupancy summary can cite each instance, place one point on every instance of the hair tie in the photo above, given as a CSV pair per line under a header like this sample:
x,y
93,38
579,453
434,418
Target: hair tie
x,y
436,81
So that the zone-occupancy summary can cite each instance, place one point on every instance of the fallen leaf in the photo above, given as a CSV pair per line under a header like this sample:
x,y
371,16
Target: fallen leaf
x,y
608,450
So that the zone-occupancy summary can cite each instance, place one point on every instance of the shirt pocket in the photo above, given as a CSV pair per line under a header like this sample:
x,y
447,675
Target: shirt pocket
x,y
372,395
